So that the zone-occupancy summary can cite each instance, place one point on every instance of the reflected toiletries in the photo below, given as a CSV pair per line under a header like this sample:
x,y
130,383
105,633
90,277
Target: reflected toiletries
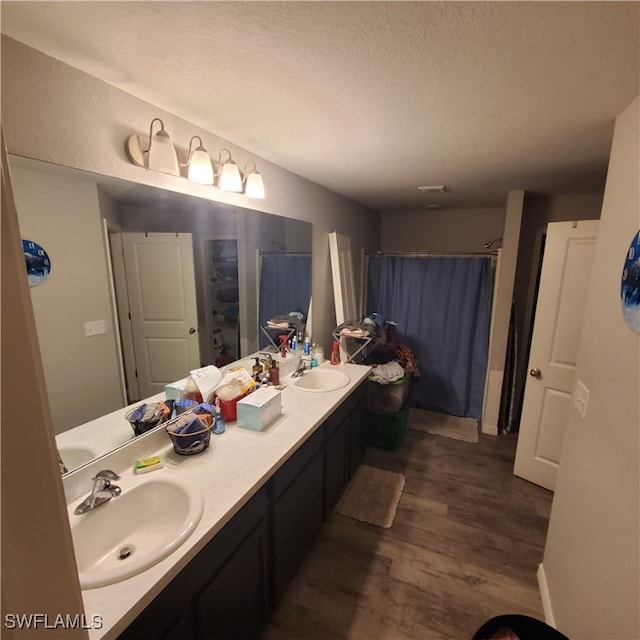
x,y
335,353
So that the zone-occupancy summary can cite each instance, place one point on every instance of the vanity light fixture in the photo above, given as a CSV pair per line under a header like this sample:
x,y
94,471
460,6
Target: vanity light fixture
x,y
229,174
160,155
199,165
254,187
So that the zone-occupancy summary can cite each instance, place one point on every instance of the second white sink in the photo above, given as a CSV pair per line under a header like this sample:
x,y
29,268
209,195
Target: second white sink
x,y
321,379
130,533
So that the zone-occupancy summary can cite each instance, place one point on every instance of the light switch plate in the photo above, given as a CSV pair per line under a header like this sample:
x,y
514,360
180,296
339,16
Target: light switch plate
x,y
94,328
581,398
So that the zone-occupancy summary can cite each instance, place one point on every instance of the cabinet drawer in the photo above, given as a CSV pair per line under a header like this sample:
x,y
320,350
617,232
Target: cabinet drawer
x,y
298,461
293,504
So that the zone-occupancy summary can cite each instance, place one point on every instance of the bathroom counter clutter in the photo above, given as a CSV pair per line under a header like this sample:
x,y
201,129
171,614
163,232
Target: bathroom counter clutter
x,y
234,471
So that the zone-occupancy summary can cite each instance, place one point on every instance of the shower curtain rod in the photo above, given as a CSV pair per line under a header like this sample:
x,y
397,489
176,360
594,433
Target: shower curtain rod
x,y
418,254
264,252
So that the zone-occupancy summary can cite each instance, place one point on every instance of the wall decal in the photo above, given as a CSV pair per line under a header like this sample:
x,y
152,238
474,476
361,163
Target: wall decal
x,y
37,262
630,286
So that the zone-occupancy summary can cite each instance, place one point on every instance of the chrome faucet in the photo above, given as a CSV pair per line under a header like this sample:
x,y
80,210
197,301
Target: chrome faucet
x,y
62,465
102,491
302,365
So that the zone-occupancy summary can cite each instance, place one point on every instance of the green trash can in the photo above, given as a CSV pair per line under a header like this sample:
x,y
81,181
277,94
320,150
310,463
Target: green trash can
x,y
386,430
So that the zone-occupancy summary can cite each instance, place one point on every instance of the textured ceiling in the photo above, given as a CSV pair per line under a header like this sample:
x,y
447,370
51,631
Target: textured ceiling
x,y
373,99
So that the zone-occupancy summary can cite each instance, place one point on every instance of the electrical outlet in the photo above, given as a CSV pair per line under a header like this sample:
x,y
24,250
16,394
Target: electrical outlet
x,y
581,398
94,328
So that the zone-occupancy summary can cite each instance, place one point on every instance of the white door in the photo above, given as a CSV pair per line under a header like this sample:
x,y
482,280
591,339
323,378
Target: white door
x,y
344,291
162,303
564,282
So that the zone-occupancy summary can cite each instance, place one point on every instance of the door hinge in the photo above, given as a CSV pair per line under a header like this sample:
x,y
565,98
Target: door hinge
x,y
129,314
136,373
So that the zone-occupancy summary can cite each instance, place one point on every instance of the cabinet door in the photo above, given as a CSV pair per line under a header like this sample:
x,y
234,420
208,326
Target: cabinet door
x,y
288,561
234,606
335,472
180,631
357,441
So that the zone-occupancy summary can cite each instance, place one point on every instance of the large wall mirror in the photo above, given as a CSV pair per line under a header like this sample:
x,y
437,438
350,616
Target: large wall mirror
x,y
142,285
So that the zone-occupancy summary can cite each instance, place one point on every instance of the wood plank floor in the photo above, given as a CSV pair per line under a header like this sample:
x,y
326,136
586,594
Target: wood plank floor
x,y
465,546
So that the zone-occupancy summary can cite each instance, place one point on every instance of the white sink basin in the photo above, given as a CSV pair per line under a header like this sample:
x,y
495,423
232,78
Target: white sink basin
x,y
148,521
321,379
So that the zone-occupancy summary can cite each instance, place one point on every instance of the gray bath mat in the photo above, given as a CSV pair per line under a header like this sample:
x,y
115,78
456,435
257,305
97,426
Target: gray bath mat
x,y
442,424
372,496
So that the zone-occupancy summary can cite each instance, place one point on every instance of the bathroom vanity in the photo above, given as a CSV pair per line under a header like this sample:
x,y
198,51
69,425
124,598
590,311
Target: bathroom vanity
x,y
266,496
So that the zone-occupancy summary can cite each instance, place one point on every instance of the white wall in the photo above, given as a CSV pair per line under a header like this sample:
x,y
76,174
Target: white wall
x,y
591,559
63,216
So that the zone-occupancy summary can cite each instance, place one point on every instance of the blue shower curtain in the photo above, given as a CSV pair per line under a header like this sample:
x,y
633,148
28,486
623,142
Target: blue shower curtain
x,y
442,305
285,286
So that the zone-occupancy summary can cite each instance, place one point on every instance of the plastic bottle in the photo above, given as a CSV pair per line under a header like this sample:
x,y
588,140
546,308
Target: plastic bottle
x,y
306,349
294,343
335,353
220,424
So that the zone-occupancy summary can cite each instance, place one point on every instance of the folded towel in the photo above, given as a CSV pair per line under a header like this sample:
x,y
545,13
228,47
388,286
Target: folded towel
x,y
387,373
187,423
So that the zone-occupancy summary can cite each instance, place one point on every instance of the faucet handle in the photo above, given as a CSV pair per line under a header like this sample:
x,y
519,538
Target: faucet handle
x,y
106,474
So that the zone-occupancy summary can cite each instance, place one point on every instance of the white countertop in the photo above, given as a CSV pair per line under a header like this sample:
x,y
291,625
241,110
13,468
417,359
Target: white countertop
x,y
236,464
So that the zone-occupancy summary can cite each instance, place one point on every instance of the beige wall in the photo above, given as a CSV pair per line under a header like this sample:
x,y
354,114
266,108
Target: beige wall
x,y
591,559
39,573
53,112
82,373
441,230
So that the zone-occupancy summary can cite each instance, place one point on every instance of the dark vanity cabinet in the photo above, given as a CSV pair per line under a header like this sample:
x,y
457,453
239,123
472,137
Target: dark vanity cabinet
x,y
307,487
345,447
222,593
226,590
296,512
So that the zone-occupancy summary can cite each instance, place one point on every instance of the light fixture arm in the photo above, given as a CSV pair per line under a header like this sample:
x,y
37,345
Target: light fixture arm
x,y
245,172
220,163
200,147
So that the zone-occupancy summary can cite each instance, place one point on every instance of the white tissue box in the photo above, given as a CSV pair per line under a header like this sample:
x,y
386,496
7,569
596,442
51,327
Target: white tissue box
x,y
259,408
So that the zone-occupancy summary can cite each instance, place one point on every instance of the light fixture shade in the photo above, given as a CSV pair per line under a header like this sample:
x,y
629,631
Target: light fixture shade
x,y
162,154
230,179
200,167
255,186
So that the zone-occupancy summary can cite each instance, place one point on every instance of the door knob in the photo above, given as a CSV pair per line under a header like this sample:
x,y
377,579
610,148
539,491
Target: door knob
x,y
535,372
192,330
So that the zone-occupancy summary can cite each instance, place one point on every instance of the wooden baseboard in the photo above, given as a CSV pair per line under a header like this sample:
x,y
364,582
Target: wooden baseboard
x,y
546,598
489,429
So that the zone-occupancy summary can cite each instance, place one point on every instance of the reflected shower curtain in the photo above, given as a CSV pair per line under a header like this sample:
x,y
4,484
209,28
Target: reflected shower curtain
x,y
285,286
442,305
